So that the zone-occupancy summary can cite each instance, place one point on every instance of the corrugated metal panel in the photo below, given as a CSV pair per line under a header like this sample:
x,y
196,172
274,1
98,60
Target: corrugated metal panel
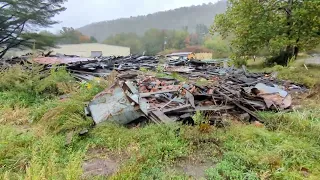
x,y
115,107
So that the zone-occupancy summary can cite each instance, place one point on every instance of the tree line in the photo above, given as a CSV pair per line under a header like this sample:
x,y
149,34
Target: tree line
x,y
280,28
154,41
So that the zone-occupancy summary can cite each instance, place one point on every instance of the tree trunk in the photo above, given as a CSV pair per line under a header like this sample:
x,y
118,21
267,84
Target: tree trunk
x,y
284,56
290,50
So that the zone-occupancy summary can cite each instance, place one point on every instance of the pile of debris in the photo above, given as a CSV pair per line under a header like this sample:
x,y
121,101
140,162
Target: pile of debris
x,y
210,87
88,68
163,100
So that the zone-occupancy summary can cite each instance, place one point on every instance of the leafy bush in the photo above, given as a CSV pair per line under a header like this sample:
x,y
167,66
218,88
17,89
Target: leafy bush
x,y
21,78
59,81
19,99
33,79
238,62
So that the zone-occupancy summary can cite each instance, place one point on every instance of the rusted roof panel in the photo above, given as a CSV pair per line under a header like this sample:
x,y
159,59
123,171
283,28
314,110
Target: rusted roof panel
x,y
59,60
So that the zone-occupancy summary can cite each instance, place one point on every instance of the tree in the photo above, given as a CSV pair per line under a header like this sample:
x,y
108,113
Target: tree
x,y
201,31
154,41
93,39
131,40
175,39
283,27
220,47
19,19
71,36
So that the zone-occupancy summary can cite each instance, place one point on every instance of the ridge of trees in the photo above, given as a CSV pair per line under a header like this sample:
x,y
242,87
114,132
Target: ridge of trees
x,y
168,20
154,41
69,35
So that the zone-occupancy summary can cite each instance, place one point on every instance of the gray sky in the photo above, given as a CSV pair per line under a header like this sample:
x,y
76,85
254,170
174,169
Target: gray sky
x,y
83,12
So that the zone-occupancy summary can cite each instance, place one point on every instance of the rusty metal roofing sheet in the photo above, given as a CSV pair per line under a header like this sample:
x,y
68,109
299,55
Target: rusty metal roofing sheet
x,y
59,60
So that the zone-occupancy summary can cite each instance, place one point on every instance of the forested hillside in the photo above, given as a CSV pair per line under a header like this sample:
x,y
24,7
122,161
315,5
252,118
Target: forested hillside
x,y
181,18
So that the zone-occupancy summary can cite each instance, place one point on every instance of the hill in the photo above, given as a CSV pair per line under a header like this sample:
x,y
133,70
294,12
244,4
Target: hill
x,y
173,19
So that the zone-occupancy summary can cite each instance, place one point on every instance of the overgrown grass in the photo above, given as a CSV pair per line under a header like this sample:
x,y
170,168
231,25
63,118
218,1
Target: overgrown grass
x,y
23,155
26,85
256,153
295,72
35,138
150,149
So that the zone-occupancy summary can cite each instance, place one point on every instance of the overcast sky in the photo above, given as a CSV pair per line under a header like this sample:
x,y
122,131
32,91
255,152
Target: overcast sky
x,y
83,12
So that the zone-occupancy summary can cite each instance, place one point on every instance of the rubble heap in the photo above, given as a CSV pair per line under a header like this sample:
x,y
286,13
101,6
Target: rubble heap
x,y
206,86
165,100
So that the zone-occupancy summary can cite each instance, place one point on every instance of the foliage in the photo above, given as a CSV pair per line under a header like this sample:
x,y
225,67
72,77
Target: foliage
x,y
310,77
65,117
283,27
69,35
153,40
198,118
31,79
68,115
28,85
296,73
20,99
131,40
156,40
201,31
93,39
185,19
19,20
220,47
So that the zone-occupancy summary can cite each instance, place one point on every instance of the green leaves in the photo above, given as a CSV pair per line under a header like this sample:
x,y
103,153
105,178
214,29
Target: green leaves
x,y
277,25
20,19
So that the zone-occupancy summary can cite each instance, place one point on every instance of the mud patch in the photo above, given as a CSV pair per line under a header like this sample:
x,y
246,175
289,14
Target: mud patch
x,y
194,170
101,162
100,167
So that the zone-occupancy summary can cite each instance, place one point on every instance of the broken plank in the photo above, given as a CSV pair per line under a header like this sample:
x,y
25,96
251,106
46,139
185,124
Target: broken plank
x,y
176,108
162,117
142,95
240,106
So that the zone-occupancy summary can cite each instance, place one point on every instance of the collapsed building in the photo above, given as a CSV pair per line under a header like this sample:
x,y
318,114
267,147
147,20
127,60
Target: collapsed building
x,y
208,86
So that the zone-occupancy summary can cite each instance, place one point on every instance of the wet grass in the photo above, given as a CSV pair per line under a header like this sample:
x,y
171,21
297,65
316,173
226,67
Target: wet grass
x,y
295,72
34,142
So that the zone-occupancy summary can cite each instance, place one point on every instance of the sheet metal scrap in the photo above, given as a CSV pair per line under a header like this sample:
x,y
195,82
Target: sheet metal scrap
x,y
236,92
211,87
87,68
114,105
166,101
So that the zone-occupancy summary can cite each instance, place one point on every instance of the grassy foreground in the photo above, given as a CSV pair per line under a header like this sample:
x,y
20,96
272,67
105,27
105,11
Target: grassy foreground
x,y
39,137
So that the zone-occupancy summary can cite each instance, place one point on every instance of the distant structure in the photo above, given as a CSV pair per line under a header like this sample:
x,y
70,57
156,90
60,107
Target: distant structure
x,y
91,50
83,50
184,55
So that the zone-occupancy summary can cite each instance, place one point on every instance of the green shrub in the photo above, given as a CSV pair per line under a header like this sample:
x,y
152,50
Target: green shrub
x,y
33,79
